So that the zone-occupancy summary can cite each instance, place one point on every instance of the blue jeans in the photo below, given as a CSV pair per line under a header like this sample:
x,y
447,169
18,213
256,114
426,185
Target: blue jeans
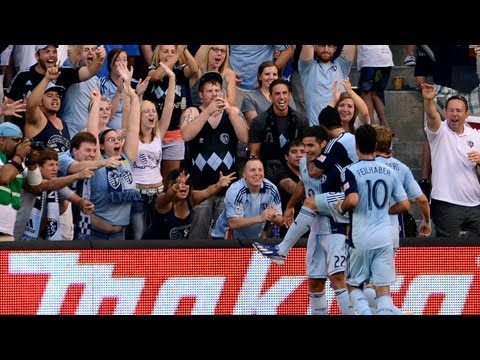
x,y
100,235
206,214
141,215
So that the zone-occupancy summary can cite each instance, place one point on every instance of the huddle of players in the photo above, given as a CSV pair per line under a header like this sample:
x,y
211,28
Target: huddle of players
x,y
353,192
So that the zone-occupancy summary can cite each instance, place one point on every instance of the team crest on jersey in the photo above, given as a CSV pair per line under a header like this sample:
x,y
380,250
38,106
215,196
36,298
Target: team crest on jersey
x,y
323,178
127,177
52,227
238,210
113,179
180,232
470,143
224,138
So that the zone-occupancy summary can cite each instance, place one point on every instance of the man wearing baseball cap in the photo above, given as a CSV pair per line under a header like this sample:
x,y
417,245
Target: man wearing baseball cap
x,y
42,122
13,150
47,57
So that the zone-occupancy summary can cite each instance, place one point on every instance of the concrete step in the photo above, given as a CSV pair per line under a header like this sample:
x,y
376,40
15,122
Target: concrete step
x,y
404,110
405,71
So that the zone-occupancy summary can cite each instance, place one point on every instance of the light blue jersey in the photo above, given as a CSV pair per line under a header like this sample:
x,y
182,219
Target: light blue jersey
x,y
405,175
376,185
240,203
312,186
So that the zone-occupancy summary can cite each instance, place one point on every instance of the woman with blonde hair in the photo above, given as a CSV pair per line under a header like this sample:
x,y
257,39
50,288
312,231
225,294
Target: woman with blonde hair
x,y
181,62
146,168
214,58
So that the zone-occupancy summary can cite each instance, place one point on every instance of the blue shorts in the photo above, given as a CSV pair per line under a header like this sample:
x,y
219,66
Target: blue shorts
x,y
374,79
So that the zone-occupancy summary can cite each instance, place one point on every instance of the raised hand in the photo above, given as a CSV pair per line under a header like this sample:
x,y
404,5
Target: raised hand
x,y
100,53
168,71
335,92
52,73
142,86
95,95
428,91
347,85
225,180
12,109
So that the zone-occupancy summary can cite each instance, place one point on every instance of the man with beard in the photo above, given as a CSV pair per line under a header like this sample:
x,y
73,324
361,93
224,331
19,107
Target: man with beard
x,y
318,70
75,102
47,57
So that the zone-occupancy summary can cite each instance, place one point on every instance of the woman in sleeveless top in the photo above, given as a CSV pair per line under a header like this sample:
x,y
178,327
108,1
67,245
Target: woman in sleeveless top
x,y
174,207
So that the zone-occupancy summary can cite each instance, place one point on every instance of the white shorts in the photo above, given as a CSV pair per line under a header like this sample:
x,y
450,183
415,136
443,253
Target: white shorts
x,y
325,255
326,206
396,237
376,266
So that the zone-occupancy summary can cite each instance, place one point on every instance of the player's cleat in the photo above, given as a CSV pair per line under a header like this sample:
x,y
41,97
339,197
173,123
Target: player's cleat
x,y
271,252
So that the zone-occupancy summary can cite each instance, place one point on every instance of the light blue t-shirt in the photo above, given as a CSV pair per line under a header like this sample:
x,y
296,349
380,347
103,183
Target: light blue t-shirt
x,y
75,103
405,175
245,60
239,202
65,159
102,184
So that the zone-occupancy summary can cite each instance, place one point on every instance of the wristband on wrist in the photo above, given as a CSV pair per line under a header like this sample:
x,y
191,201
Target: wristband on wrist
x,y
17,165
34,177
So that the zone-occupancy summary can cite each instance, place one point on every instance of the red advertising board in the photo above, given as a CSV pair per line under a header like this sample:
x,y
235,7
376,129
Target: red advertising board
x,y
430,280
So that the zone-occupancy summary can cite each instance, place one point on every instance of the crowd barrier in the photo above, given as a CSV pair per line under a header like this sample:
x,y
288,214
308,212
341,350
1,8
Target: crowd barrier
x,y
434,276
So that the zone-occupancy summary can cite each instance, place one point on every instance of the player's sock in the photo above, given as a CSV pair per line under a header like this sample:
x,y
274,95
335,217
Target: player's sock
x,y
318,303
343,301
360,302
371,296
385,305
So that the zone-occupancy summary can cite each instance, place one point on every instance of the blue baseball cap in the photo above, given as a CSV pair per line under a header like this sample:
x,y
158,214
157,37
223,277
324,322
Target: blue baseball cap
x,y
54,87
10,130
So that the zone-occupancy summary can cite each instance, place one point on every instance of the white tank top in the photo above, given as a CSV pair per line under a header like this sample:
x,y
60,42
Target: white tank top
x,y
146,168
